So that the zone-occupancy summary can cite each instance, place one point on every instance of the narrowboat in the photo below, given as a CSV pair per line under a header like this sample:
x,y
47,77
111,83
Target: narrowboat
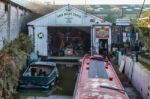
x,y
39,75
97,79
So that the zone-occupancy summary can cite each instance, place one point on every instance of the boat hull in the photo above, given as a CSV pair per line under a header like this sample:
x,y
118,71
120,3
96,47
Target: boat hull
x,y
41,80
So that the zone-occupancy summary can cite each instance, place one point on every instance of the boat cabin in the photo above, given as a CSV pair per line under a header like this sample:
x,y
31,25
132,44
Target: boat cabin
x,y
97,79
37,69
39,75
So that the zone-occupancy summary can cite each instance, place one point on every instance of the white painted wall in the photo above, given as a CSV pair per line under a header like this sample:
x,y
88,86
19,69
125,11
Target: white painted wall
x,y
15,23
40,44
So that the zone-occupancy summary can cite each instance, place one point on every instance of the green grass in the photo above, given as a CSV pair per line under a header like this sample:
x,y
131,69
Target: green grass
x,y
144,55
147,66
147,56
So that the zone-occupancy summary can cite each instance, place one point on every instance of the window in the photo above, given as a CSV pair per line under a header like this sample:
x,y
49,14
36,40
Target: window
x,y
6,7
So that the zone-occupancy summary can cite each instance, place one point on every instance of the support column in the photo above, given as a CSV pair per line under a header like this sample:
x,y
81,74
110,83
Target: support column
x,y
91,40
8,22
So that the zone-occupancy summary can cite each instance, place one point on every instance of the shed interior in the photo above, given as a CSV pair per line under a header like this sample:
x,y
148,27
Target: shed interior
x,y
69,41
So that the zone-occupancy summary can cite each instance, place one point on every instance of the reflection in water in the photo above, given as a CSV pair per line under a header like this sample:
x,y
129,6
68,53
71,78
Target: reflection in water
x,y
65,86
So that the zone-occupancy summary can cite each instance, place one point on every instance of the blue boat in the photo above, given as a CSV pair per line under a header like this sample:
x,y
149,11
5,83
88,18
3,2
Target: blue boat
x,y
39,75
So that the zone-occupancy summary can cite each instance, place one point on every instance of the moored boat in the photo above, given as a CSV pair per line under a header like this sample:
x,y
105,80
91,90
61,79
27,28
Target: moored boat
x,y
98,80
39,75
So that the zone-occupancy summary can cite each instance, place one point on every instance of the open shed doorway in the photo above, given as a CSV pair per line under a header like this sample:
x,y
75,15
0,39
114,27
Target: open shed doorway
x,y
69,41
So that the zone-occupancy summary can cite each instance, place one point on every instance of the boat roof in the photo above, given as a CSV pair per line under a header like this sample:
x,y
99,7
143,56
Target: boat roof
x,y
44,63
98,80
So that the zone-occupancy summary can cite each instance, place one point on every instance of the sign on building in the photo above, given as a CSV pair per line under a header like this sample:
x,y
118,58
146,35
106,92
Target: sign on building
x,y
122,22
102,32
69,17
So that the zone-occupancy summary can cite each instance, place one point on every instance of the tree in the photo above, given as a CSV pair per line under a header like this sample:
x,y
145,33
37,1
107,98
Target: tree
x,y
143,26
113,15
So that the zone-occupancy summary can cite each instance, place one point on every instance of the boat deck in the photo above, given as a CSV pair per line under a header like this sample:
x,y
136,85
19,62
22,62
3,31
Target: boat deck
x,y
97,79
97,69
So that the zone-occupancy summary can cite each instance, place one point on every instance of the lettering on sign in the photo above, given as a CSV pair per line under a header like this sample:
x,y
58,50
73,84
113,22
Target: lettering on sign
x,y
69,17
69,14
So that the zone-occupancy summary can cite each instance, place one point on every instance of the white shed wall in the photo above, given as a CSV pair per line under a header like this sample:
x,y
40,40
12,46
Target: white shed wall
x,y
88,17
40,44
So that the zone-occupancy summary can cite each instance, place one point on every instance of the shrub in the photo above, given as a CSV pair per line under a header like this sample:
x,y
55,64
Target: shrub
x,y
12,61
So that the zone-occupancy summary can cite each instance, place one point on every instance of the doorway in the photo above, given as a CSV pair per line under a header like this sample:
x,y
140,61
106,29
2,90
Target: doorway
x,y
103,46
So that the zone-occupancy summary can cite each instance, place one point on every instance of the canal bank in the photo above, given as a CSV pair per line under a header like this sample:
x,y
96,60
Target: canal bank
x,y
12,61
133,76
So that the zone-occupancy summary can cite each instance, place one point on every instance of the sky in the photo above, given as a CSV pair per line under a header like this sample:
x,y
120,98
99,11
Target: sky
x,y
94,1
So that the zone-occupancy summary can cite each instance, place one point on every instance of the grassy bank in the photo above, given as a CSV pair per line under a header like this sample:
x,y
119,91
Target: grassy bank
x,y
147,66
143,54
12,60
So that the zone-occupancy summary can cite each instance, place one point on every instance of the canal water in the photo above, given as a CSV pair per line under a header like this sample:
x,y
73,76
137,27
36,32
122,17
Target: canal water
x,y
64,87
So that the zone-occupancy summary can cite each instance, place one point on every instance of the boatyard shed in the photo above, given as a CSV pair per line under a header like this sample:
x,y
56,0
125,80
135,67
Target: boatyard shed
x,y
68,27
